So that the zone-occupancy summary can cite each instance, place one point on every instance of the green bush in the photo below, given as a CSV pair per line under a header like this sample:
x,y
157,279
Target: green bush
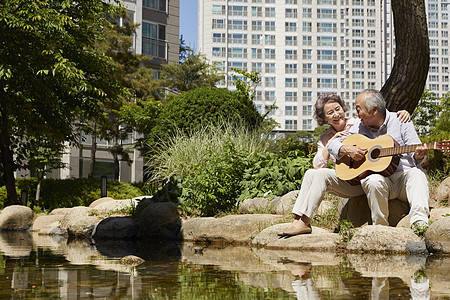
x,y
57,193
274,174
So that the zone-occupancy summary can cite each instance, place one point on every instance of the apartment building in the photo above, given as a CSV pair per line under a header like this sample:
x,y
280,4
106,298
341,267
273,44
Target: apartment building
x,y
158,38
304,48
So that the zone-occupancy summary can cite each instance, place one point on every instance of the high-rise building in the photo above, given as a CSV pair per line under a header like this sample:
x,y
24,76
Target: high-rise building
x,y
158,38
304,48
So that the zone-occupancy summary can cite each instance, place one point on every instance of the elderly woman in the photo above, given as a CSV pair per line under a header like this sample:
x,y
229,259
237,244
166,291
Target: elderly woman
x,y
329,108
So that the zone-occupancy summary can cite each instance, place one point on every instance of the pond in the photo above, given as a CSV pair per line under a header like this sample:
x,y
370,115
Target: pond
x,y
33,266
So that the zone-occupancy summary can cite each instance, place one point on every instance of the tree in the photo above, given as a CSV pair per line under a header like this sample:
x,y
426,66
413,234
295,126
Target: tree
x,y
405,85
193,72
50,72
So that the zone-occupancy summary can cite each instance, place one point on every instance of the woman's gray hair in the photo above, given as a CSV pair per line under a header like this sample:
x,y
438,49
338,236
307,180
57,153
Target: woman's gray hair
x,y
319,113
374,99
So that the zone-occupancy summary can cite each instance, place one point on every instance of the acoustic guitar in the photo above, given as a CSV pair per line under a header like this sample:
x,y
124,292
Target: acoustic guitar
x,y
382,156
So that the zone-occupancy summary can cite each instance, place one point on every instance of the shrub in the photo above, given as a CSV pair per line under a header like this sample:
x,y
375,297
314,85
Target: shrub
x,y
274,174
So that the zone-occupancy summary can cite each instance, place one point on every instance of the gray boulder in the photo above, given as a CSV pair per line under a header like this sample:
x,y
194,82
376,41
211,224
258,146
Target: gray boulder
x,y
442,193
16,217
78,222
160,219
43,221
286,203
116,228
319,240
232,229
357,210
437,237
386,239
435,214
258,205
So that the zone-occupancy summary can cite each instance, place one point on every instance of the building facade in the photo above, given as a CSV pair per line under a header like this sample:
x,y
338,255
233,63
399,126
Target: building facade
x,y
304,48
158,38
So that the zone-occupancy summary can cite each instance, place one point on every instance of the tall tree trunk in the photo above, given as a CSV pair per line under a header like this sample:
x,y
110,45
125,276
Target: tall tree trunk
x,y
115,153
405,85
93,152
7,160
40,178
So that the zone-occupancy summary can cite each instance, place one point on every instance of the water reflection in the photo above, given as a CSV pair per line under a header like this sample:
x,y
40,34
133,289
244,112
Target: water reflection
x,y
46,267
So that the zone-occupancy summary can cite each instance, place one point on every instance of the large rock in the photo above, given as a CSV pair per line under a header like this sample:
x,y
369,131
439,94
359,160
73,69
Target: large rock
x,y
257,205
160,219
78,222
233,229
111,205
286,203
435,214
100,201
437,237
16,217
386,239
319,240
442,193
116,228
44,221
357,210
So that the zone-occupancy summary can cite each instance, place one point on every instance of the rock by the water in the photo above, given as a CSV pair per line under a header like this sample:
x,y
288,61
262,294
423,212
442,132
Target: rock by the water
x,y
16,217
232,229
253,205
443,191
78,222
319,240
131,260
160,219
357,210
44,221
437,237
286,203
116,228
386,239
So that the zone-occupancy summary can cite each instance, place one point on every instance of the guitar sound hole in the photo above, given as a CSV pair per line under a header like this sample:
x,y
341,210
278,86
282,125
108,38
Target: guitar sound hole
x,y
375,153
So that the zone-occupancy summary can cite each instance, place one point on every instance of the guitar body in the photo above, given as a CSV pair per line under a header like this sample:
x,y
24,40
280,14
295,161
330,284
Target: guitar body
x,y
353,171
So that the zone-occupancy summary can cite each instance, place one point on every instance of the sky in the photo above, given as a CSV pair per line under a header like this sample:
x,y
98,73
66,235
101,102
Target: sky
x,y
188,22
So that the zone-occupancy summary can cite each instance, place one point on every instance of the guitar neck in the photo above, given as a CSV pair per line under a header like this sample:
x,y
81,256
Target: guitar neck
x,y
405,149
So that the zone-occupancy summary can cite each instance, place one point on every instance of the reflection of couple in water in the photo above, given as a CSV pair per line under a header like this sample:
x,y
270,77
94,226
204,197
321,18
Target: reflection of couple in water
x,y
358,286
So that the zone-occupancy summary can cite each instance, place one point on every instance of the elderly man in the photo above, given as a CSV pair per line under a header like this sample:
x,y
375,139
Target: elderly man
x,y
409,182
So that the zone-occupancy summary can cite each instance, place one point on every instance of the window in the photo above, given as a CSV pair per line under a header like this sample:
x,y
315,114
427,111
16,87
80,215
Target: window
x,y
290,13
269,96
269,25
240,11
306,26
269,12
326,69
358,74
326,54
269,81
290,82
290,68
307,40
238,65
237,38
358,22
326,27
290,124
328,83
307,96
307,82
290,96
290,110
269,53
257,67
306,13
290,54
256,11
154,40
307,68
270,67
218,23
256,25
291,1
269,39
256,53
326,13
290,26
307,53
237,24
155,4
290,41
218,9
307,110
237,52
358,64
218,51
307,124
218,37
358,53
326,41
256,39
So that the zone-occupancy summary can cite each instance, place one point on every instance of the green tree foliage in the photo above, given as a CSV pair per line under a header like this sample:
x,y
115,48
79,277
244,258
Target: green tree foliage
x,y
194,109
50,72
193,72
